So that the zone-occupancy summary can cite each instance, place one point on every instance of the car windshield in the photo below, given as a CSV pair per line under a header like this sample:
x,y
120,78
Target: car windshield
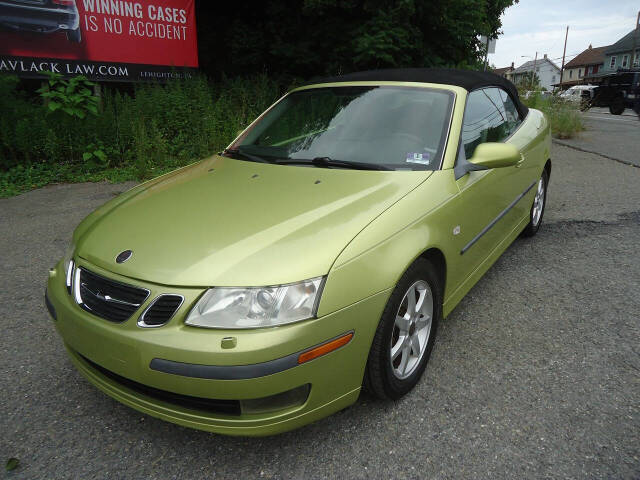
x,y
380,127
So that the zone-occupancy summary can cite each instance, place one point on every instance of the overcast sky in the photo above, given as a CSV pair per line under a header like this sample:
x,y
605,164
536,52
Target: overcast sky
x,y
540,25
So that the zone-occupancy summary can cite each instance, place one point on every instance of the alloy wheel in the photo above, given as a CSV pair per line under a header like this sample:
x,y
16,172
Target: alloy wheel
x,y
411,329
538,203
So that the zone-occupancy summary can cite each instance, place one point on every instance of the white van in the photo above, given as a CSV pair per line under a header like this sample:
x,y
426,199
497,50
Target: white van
x,y
578,92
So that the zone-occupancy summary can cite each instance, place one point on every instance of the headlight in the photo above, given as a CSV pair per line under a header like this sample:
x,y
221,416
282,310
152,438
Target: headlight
x,y
256,307
67,263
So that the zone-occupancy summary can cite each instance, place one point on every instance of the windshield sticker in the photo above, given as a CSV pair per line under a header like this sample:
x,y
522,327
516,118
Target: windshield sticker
x,y
421,158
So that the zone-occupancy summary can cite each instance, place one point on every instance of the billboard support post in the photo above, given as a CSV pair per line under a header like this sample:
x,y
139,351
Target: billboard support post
x,y
97,92
45,86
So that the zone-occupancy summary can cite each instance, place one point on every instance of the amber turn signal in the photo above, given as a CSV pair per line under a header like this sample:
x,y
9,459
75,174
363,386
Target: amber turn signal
x,y
325,348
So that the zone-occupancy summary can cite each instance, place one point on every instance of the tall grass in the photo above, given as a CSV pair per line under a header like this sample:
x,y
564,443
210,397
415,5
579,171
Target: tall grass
x,y
564,117
154,129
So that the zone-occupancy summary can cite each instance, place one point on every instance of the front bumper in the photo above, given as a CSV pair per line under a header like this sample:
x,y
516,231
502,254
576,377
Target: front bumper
x,y
37,18
128,351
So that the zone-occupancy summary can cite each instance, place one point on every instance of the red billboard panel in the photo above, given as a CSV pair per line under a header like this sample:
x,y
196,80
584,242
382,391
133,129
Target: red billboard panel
x,y
117,40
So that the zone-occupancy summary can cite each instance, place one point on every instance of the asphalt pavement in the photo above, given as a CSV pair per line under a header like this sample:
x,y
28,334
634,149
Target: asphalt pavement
x,y
614,136
536,374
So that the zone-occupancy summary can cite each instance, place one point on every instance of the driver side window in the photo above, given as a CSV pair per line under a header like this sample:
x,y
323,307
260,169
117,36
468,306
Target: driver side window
x,y
490,116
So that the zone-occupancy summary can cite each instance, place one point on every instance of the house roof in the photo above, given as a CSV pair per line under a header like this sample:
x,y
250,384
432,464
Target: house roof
x,y
528,66
624,44
591,56
502,71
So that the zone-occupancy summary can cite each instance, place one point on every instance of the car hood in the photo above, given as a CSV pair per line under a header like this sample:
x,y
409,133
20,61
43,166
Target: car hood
x,y
226,222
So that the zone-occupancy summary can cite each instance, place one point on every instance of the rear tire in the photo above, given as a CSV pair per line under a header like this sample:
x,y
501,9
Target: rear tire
x,y
537,209
406,332
74,36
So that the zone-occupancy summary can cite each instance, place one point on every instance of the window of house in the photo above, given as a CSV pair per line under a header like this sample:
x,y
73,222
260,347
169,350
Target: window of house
x,y
590,70
570,73
579,73
490,116
625,61
553,79
636,58
613,62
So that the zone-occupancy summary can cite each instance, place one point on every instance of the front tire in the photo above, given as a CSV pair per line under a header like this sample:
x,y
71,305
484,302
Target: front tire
x,y
616,107
537,209
406,332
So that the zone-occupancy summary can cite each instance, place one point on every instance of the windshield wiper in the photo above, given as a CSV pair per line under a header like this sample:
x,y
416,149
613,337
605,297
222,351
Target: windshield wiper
x,y
328,162
245,155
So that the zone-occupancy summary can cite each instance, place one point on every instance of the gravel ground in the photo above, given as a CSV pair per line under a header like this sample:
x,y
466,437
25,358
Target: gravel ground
x,y
536,374
614,136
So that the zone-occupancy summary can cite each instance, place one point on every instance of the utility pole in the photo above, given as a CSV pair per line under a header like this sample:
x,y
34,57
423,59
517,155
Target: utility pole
x,y
564,52
486,54
533,74
635,36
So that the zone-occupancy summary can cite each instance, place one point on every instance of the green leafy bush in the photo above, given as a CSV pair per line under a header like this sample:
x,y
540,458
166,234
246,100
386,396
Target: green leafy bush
x,y
140,134
95,156
73,96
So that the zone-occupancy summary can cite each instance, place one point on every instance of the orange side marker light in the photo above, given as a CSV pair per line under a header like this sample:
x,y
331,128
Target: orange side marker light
x,y
325,348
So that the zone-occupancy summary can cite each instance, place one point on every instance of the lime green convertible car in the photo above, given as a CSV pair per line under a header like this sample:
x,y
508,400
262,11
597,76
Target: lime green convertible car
x,y
262,288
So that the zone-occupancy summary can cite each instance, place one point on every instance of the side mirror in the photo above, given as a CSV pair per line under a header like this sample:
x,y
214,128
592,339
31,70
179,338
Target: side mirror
x,y
495,155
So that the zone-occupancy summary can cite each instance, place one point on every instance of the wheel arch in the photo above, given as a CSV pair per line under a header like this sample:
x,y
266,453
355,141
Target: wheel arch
x,y
439,261
547,168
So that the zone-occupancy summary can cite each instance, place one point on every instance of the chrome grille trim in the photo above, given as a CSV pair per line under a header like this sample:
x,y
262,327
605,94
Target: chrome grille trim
x,y
106,305
143,324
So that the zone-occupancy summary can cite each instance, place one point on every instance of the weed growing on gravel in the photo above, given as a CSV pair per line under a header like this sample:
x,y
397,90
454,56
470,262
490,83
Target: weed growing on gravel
x,y
21,179
564,117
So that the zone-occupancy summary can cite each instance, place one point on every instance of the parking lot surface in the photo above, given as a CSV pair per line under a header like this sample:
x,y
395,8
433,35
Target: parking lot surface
x,y
614,136
536,374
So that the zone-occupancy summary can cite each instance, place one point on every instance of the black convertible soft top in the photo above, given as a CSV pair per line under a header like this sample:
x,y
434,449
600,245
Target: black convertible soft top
x,y
467,79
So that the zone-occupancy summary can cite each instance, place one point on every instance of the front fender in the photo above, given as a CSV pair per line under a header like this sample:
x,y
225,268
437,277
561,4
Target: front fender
x,y
377,257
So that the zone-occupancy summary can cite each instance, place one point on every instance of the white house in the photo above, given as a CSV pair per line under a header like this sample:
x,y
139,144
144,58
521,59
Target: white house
x,y
548,73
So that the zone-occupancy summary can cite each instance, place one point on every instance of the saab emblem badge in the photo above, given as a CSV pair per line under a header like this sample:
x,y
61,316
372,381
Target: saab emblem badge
x,y
124,256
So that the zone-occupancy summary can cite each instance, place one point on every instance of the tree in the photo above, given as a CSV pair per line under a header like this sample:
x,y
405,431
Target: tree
x,y
306,38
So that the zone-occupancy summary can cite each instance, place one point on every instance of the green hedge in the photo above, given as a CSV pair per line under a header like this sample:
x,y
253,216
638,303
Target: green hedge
x,y
139,135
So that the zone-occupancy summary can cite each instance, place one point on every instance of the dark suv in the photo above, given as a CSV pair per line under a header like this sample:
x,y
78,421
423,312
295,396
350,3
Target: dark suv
x,y
618,91
44,16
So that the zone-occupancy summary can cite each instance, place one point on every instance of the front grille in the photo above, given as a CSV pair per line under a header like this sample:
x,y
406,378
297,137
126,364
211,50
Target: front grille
x,y
160,311
107,298
227,407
